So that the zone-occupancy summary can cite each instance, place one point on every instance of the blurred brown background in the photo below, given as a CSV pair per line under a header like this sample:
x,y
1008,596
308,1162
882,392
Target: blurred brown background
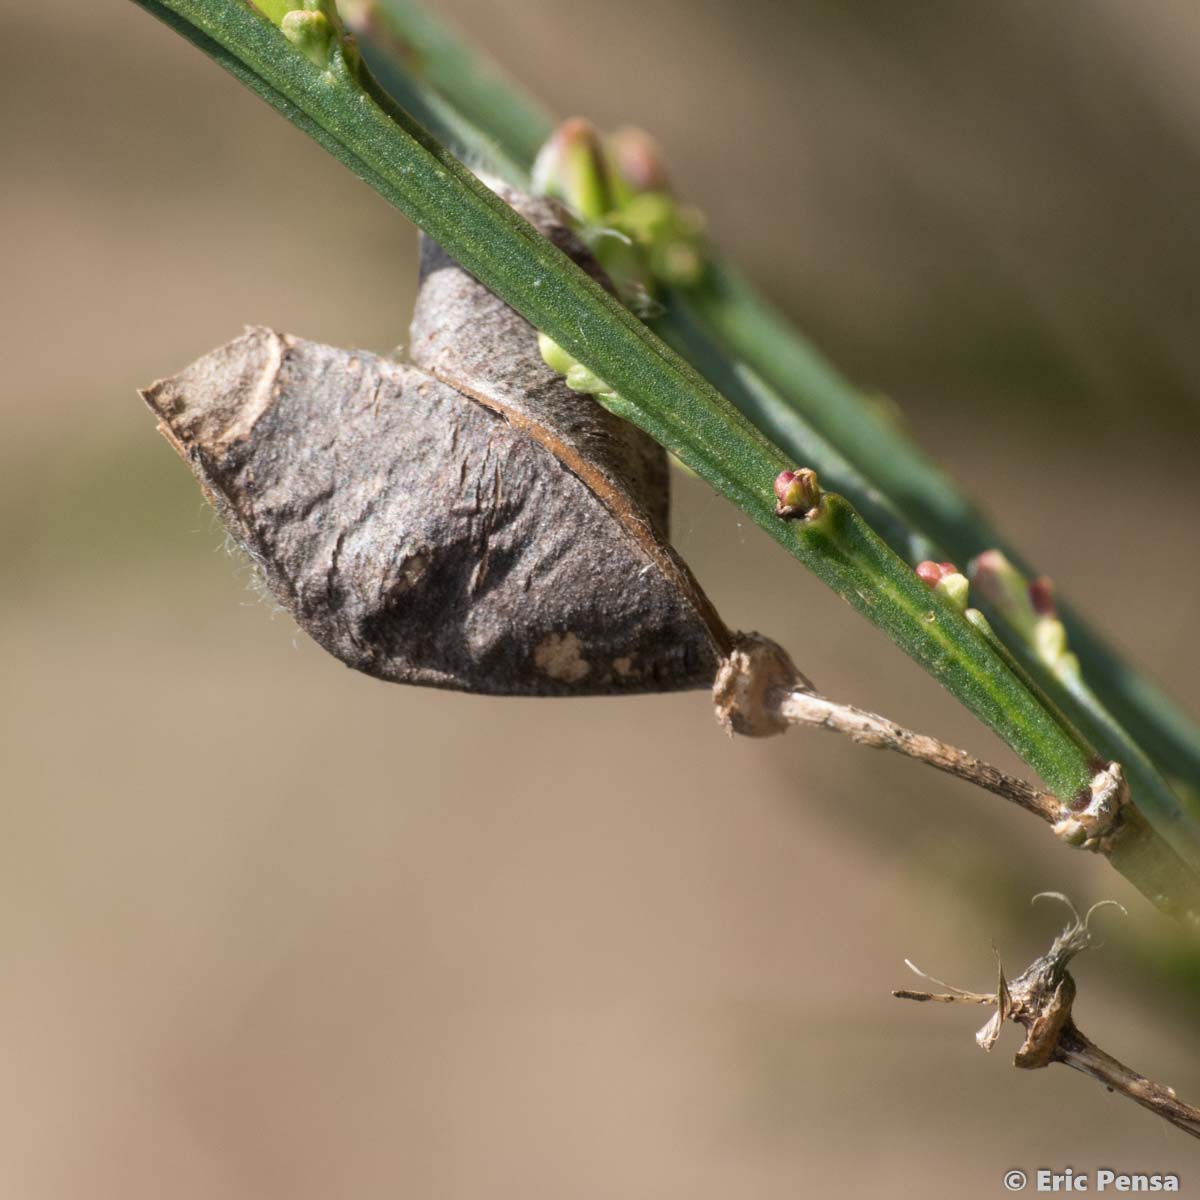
x,y
272,930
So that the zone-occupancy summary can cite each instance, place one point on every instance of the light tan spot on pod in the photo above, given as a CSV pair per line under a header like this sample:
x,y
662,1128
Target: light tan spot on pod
x,y
558,655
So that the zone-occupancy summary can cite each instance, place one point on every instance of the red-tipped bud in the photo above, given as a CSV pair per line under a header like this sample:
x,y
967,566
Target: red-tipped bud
x,y
929,573
997,581
1041,596
797,492
932,573
638,160
1027,607
945,579
572,167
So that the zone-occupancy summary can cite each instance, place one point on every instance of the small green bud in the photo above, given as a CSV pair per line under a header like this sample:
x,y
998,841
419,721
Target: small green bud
x,y
311,33
955,588
648,216
573,167
1050,639
671,235
581,379
554,356
638,232
976,618
678,263
578,377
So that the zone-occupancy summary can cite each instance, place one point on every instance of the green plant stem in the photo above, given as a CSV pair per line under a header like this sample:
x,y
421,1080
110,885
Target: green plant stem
x,y
653,387
831,411
799,441
1155,796
756,400
1166,733
755,332
442,119
402,46
434,54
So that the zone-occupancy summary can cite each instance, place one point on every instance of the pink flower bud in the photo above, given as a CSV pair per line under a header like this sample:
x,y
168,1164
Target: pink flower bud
x,y
931,573
1041,596
638,160
572,167
945,579
797,492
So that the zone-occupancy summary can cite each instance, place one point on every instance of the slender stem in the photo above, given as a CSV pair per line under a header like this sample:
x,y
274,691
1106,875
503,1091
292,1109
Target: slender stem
x,y
1162,728
759,691
1041,1000
1037,636
1154,794
753,331
756,333
870,729
474,85
1081,1053
445,121
678,326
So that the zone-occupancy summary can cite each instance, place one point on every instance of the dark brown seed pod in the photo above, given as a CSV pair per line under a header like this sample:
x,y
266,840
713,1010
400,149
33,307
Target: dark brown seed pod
x,y
509,541
470,339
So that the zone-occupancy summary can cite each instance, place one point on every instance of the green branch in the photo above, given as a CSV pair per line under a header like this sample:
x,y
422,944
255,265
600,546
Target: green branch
x,y
753,331
434,55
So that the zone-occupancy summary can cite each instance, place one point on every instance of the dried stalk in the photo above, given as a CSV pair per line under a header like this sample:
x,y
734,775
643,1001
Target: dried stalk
x,y
759,691
870,729
1040,1000
1075,1050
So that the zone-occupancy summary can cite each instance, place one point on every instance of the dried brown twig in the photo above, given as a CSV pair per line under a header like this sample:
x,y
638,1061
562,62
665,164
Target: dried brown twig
x,y
759,691
1040,1000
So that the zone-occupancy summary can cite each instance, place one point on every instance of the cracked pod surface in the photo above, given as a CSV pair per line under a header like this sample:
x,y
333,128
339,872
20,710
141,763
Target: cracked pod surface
x,y
420,537
488,530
